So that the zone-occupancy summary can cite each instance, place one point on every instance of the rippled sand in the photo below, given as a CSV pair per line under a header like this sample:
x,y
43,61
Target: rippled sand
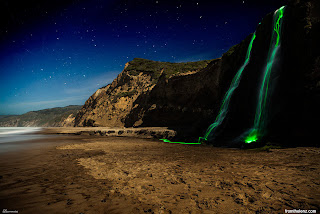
x,y
130,175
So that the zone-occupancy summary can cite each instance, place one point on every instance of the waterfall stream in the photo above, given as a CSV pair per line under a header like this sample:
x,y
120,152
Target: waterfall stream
x,y
261,111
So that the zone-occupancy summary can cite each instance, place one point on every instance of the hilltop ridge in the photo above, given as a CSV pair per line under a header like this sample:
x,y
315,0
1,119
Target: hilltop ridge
x,y
53,117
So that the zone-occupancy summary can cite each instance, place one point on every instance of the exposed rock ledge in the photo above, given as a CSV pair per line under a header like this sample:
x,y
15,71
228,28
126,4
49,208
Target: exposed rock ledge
x,y
150,132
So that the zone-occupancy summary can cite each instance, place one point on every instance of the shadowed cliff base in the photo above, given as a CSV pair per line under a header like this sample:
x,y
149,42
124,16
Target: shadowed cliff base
x,y
146,133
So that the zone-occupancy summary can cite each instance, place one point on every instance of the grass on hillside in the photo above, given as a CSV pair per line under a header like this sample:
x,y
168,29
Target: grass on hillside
x,y
139,65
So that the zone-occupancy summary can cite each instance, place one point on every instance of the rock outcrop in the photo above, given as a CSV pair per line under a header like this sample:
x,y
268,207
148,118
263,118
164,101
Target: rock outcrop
x,y
110,106
146,133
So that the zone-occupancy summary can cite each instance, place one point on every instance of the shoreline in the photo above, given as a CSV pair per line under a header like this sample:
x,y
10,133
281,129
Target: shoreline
x,y
94,174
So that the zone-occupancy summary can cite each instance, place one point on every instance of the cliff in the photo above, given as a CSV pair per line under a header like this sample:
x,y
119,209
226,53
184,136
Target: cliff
x,y
111,105
181,96
54,117
187,99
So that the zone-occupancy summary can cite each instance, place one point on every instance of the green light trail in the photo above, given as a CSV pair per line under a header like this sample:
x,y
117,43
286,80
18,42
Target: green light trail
x,y
168,141
226,100
259,120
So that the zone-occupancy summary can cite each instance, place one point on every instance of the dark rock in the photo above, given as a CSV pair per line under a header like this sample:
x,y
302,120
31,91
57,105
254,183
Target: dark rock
x,y
69,202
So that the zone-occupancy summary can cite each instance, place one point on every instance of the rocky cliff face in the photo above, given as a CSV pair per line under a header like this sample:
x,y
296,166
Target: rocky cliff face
x,y
182,96
54,117
188,103
188,100
110,106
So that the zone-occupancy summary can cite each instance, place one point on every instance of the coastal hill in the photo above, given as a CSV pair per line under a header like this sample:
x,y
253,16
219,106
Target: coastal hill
x,y
187,96
53,117
112,105
147,93
182,96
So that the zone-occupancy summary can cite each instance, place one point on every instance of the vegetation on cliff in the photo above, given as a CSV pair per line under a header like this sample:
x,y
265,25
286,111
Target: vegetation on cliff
x,y
138,65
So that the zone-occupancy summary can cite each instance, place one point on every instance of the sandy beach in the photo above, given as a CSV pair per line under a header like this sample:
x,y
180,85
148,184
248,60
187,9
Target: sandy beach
x,y
91,174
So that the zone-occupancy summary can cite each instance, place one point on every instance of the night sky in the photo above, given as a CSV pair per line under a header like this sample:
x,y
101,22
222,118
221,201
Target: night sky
x,y
58,53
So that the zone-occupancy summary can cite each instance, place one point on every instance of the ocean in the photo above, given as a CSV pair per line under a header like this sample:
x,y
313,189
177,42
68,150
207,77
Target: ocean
x,y
11,137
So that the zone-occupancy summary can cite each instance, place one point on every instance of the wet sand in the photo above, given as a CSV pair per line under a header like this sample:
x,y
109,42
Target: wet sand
x,y
88,174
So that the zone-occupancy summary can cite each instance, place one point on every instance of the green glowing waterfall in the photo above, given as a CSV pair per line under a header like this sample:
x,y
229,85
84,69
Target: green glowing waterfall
x,y
226,100
260,116
227,97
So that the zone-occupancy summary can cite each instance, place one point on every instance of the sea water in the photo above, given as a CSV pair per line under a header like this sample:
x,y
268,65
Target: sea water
x,y
14,134
12,138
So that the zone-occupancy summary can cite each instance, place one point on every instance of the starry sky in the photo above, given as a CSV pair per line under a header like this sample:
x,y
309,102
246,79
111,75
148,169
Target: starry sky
x,y
58,53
